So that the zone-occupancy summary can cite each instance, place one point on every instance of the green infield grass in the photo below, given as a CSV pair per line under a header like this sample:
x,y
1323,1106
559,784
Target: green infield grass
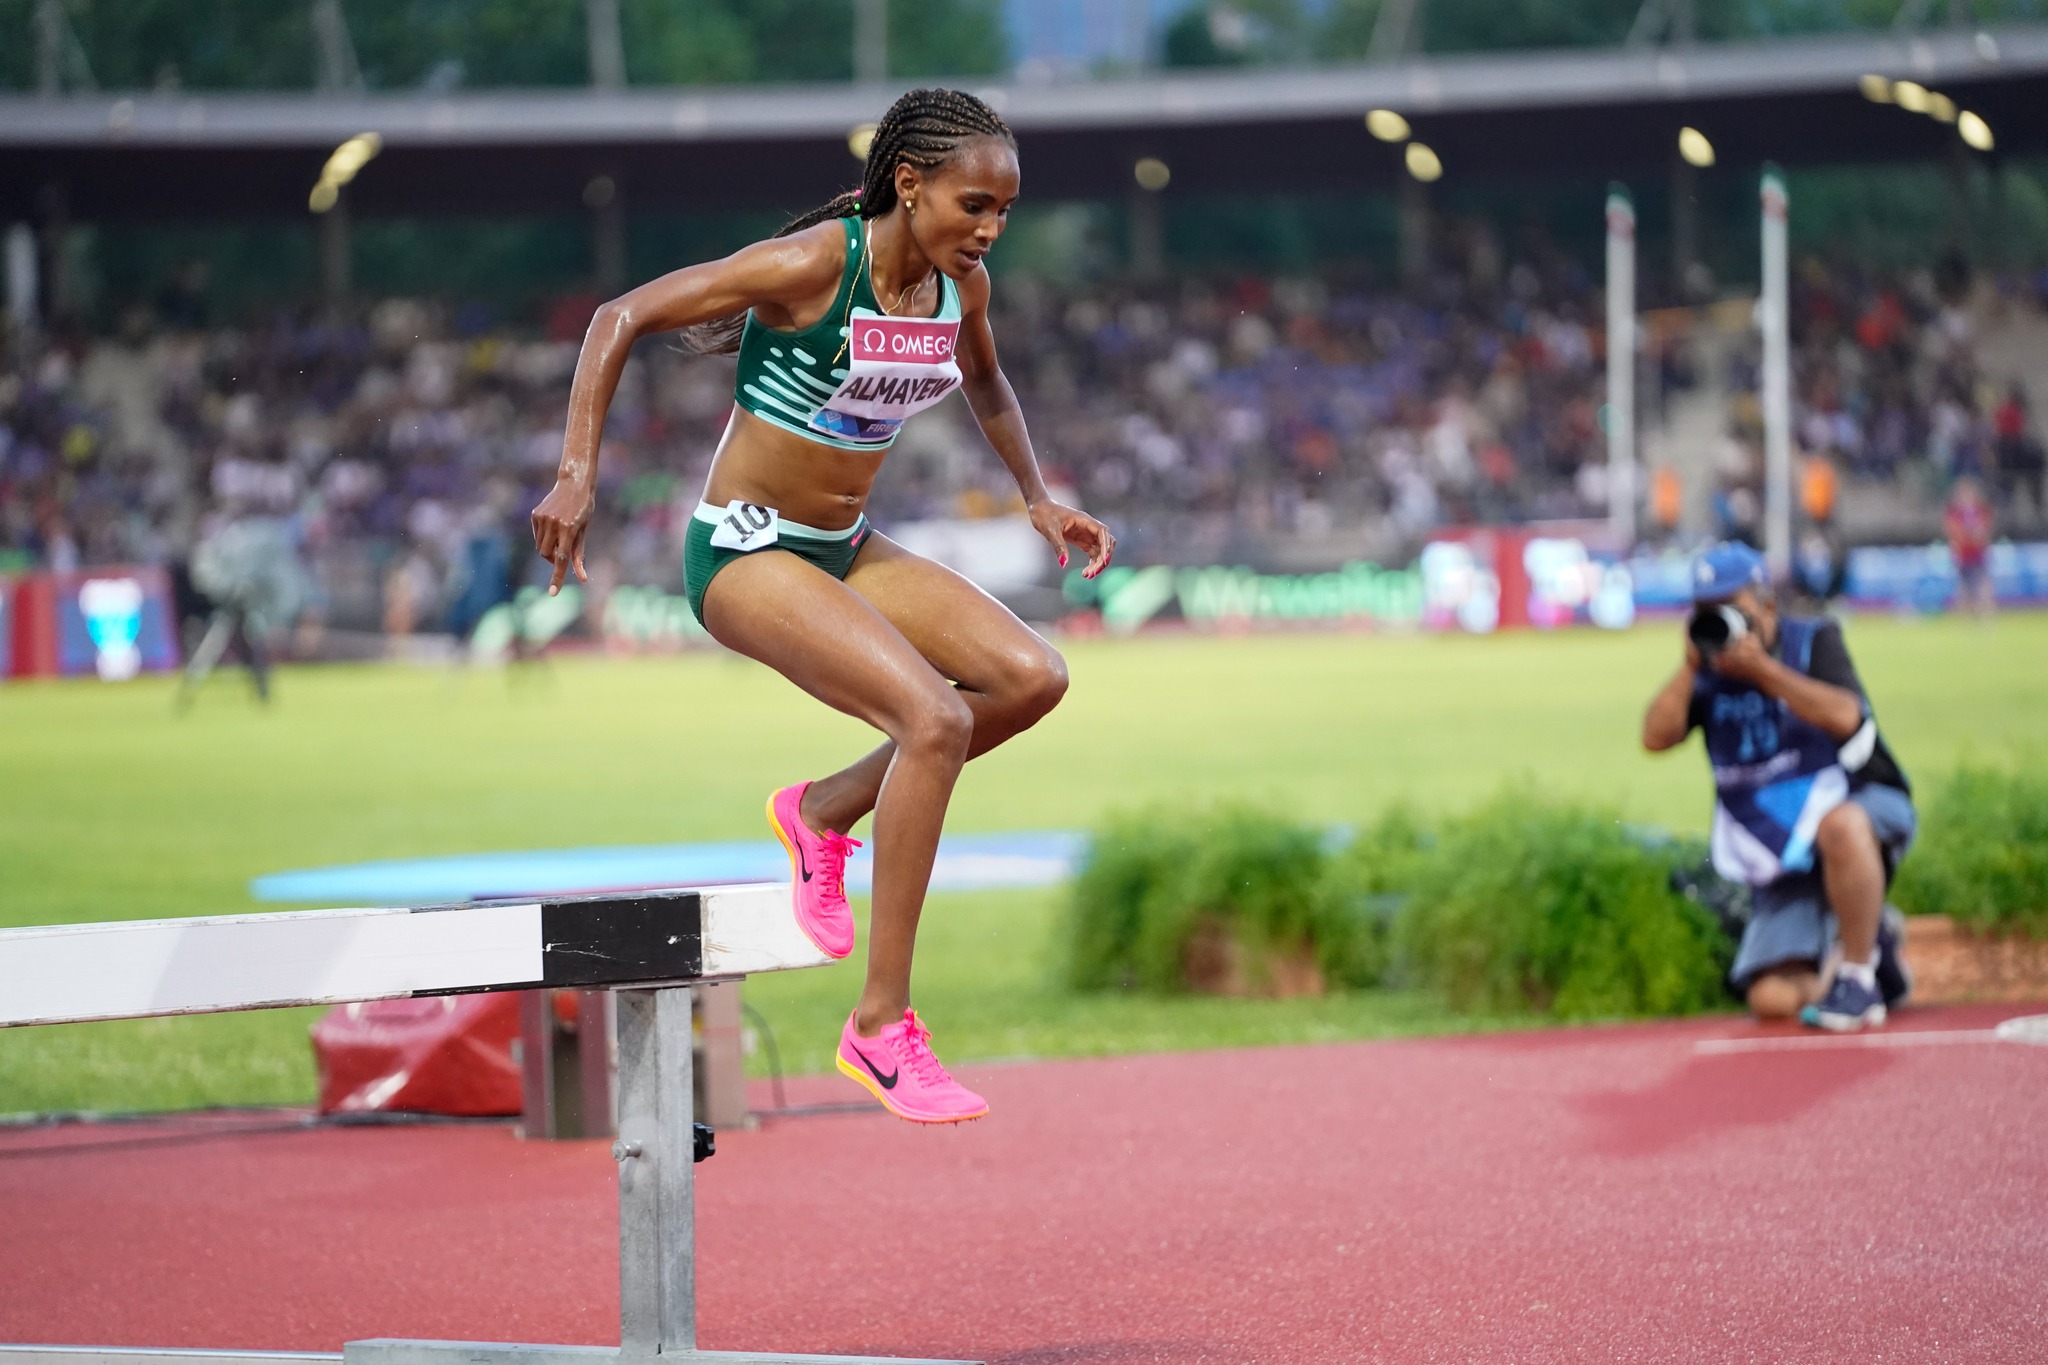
x,y
111,807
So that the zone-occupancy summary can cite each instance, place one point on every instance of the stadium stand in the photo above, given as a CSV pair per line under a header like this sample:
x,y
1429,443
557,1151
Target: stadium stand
x,y
1231,420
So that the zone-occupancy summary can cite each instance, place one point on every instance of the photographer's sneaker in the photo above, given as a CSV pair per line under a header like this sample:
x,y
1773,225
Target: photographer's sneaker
x,y
1850,1004
898,1068
1894,978
817,873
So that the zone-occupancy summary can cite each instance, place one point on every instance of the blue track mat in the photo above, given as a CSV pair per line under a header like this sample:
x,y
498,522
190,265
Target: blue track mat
x,y
966,862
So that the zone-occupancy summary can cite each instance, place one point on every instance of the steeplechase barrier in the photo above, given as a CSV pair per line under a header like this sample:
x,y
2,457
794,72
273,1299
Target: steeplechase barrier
x,y
648,948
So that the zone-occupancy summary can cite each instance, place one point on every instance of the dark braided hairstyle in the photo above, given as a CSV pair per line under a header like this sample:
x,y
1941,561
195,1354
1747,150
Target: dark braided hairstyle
x,y
922,128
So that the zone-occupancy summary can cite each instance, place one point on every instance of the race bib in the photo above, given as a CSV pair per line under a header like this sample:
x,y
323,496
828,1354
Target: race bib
x,y
895,367
746,526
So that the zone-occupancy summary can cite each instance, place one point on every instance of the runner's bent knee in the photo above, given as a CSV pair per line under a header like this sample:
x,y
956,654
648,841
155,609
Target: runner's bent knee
x,y
1047,680
1030,683
938,723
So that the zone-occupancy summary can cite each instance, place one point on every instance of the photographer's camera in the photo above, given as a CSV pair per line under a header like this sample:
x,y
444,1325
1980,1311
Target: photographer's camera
x,y
1715,626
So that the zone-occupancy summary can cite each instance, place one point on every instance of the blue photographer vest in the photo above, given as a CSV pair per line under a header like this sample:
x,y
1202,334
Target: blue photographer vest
x,y
1775,776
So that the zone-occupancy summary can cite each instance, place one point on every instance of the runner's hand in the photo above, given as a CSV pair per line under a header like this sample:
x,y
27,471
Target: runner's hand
x,y
1062,525
559,525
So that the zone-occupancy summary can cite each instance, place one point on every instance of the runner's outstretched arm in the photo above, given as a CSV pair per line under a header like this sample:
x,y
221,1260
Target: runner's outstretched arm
x,y
772,273
995,408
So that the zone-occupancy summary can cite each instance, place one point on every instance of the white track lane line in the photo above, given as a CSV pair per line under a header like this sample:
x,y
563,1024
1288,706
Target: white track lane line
x,y
2024,1028
1925,1038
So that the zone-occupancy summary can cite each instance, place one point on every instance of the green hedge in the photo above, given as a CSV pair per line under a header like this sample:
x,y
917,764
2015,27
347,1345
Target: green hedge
x,y
1558,908
1520,904
1151,878
1982,855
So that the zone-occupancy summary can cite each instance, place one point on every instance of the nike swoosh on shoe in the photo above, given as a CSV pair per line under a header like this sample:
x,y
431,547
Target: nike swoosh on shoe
x,y
888,1081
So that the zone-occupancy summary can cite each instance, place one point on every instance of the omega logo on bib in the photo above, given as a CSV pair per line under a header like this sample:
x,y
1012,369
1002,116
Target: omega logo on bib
x,y
895,367
911,340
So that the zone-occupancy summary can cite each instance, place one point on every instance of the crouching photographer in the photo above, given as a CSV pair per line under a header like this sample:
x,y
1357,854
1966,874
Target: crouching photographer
x,y
1810,808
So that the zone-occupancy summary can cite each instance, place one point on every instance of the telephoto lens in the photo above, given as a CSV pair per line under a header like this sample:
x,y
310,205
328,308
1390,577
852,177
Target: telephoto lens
x,y
1715,626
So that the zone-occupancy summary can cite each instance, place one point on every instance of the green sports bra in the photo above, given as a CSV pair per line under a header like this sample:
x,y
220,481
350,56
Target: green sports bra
x,y
850,379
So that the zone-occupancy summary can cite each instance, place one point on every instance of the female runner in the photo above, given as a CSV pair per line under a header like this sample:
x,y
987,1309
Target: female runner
x,y
850,319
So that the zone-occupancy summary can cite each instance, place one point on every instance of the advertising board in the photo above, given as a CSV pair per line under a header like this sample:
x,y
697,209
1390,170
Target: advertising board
x,y
115,623
110,623
1923,577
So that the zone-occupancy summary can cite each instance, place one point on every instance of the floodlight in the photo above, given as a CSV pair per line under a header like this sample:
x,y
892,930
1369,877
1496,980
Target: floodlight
x,y
1975,130
860,139
1151,173
1940,107
1876,89
342,164
351,156
1910,96
1694,147
1386,125
1423,164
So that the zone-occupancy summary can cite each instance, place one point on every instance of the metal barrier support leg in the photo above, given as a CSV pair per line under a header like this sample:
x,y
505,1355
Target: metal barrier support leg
x,y
657,1174
657,1219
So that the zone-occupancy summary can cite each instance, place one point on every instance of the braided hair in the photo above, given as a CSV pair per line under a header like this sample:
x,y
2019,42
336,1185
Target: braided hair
x,y
923,128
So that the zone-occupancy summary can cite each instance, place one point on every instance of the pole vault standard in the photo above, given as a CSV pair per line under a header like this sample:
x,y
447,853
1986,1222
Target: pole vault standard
x,y
649,948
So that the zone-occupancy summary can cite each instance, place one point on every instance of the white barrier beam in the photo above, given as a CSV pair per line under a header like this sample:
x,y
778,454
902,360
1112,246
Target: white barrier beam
x,y
130,1355
73,973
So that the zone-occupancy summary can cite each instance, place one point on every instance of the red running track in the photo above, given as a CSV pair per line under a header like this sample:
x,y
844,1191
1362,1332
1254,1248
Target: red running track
x,y
1587,1194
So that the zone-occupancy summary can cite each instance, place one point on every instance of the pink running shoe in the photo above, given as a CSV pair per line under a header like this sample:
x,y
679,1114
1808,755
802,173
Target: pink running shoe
x,y
898,1068
817,873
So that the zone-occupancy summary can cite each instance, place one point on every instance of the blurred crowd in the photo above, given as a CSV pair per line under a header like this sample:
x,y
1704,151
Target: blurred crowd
x,y
1888,375
1207,415
1889,388
401,448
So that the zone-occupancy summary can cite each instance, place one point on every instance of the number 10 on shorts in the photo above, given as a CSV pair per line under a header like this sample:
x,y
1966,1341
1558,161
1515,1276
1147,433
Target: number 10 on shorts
x,y
746,526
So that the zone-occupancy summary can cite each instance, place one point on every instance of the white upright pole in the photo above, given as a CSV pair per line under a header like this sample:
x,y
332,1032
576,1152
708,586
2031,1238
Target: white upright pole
x,y
1621,367
1773,313
871,41
22,306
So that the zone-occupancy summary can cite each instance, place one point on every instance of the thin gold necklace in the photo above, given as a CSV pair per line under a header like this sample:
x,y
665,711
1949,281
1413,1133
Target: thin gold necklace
x,y
868,251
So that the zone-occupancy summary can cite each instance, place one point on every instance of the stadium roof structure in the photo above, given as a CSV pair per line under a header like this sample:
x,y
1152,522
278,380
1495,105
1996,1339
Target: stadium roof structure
x,y
1594,113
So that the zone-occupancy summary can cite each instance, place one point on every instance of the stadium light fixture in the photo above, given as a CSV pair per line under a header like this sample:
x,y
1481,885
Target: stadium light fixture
x,y
1152,174
1694,147
342,164
1910,96
859,139
1424,164
1876,89
351,156
1940,107
1387,126
1975,131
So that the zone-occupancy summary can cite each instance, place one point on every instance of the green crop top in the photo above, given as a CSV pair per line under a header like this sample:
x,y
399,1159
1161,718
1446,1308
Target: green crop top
x,y
850,379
